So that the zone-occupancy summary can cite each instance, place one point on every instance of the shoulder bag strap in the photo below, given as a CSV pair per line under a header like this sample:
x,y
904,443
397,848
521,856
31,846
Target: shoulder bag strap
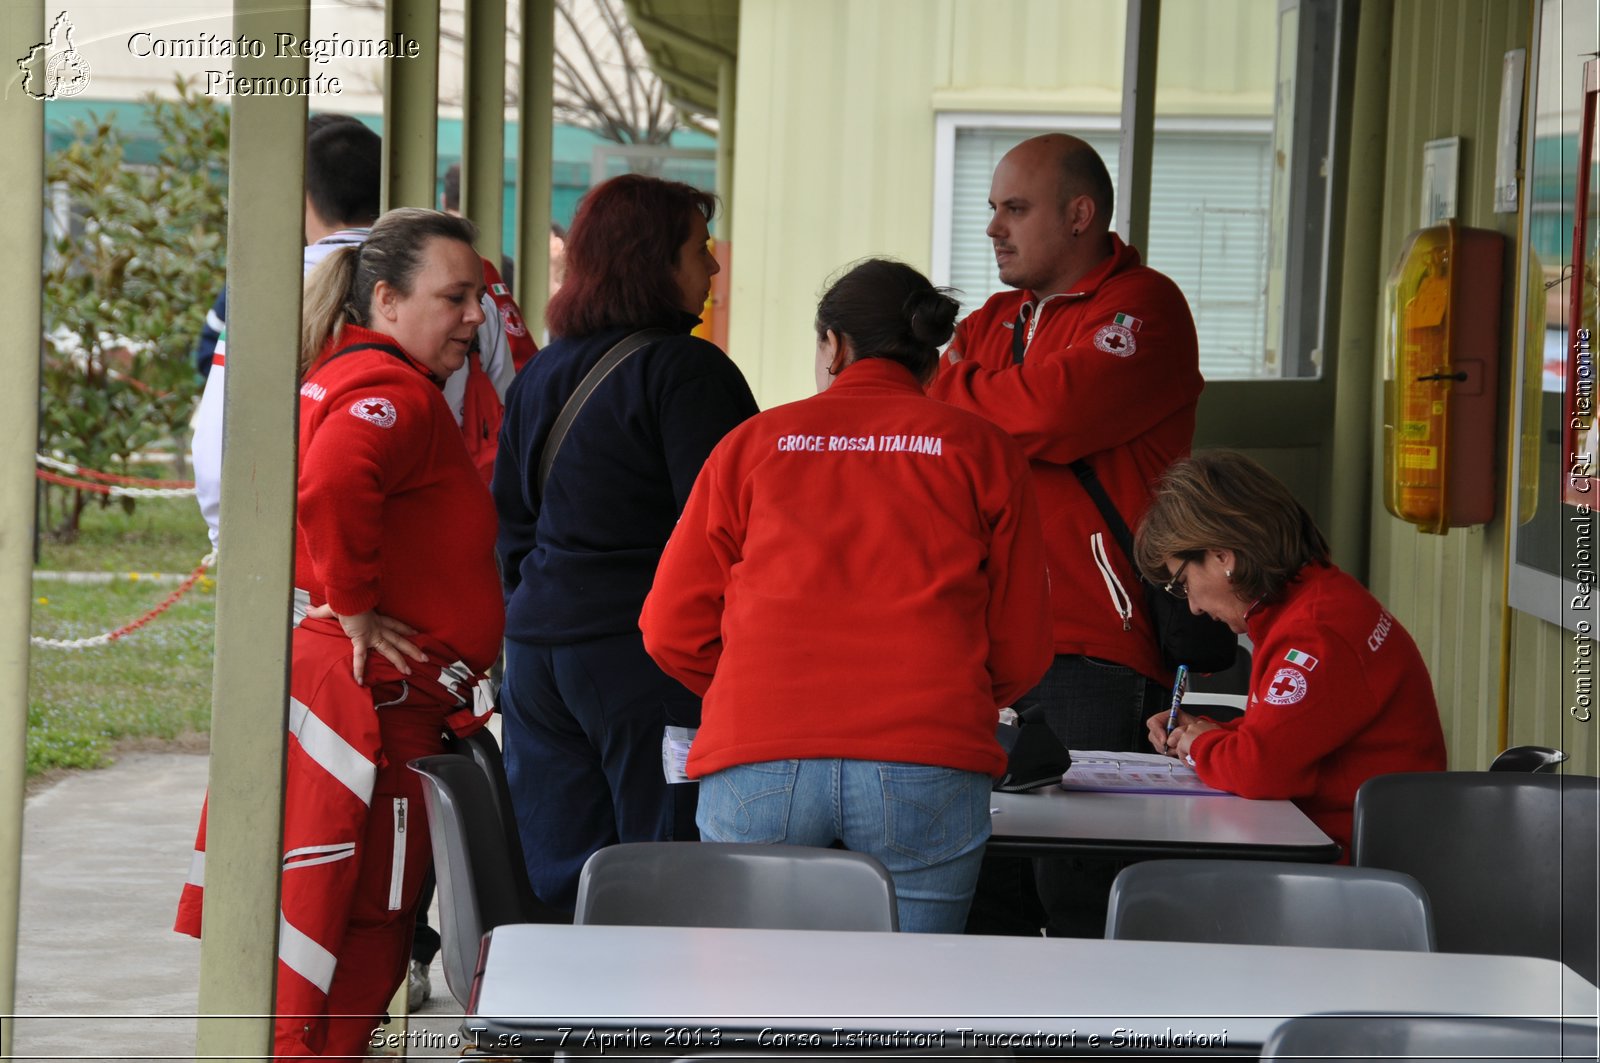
x,y
1108,510
386,348
569,413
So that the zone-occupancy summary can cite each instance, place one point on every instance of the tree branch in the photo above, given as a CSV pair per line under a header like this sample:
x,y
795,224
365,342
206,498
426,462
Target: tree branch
x,y
600,77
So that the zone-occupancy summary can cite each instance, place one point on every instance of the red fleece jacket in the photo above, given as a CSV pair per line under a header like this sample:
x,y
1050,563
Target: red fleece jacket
x,y
1111,375
392,514
856,575
1338,694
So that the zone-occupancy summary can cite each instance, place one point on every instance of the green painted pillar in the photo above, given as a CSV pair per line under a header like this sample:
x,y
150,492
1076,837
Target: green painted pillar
x,y
22,176
1140,53
535,155
411,108
727,119
1361,283
483,125
238,955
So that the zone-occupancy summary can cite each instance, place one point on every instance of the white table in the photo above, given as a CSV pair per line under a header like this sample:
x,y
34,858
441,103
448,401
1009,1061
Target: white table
x,y
545,987
1149,826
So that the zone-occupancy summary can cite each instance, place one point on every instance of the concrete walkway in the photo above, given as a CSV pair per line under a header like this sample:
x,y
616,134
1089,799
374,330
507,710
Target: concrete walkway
x,y
100,973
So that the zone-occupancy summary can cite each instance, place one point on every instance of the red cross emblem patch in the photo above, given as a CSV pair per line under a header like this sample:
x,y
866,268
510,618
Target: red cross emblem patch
x,y
1116,339
378,410
1287,687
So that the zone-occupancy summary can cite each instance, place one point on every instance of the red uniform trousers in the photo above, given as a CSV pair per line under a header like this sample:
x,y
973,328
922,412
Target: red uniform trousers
x,y
377,940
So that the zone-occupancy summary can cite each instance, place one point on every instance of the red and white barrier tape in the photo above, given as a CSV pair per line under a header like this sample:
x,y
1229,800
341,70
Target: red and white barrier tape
x,y
129,628
105,483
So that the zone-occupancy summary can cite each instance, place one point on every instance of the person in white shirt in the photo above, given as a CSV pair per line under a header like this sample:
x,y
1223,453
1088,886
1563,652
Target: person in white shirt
x,y
344,163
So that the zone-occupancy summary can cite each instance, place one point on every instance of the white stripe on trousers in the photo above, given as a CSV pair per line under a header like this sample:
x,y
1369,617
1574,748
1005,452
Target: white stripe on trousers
x,y
331,752
304,956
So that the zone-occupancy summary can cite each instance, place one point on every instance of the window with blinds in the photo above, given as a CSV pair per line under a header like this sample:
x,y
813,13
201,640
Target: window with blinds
x,y
1209,202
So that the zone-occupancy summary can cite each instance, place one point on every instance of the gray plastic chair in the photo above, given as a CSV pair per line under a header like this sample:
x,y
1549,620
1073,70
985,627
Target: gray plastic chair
x,y
1224,695
1249,902
479,887
481,746
1534,759
1508,860
1408,1038
730,884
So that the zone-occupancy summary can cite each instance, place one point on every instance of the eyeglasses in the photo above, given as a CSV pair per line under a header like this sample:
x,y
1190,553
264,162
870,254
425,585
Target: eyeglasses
x,y
1177,586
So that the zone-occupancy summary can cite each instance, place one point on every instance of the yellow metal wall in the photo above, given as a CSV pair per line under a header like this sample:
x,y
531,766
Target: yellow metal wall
x,y
1212,58
1449,590
837,105
835,162
1029,55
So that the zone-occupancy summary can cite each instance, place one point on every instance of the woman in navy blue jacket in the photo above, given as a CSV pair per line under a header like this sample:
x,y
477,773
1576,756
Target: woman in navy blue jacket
x,y
584,705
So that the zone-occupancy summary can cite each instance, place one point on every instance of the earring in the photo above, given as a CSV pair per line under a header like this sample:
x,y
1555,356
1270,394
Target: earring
x,y
1076,232
1227,573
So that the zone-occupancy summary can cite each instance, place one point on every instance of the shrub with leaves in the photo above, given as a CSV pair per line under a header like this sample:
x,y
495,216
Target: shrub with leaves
x,y
138,256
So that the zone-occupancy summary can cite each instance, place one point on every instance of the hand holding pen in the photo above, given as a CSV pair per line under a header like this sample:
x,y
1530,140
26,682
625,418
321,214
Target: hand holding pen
x,y
1180,687
1163,725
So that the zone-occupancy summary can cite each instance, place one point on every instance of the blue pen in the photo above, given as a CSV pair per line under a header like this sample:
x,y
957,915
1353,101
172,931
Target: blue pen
x,y
1180,687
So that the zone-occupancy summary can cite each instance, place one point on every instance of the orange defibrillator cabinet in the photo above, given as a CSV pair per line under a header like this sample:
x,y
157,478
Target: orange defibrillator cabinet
x,y
1441,368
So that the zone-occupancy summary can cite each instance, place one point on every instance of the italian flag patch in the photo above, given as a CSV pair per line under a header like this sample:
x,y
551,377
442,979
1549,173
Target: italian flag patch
x,y
1304,660
1127,321
499,289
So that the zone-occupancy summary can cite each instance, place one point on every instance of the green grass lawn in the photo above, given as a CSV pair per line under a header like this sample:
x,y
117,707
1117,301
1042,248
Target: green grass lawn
x,y
154,684
160,535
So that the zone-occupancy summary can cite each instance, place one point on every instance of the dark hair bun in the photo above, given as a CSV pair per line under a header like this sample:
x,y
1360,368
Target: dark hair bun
x,y
931,316
889,310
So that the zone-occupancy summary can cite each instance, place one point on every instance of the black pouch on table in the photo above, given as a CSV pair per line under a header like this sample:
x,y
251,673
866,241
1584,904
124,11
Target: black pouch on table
x,y
1035,757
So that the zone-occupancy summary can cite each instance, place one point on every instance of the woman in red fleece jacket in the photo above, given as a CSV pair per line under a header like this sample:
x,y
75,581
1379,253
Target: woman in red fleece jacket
x,y
1338,691
394,558
857,582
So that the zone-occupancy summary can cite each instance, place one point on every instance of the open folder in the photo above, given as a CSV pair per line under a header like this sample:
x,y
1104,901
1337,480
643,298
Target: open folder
x,y
1132,773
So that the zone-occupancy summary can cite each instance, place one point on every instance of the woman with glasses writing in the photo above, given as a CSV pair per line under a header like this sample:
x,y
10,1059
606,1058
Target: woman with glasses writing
x,y
1338,691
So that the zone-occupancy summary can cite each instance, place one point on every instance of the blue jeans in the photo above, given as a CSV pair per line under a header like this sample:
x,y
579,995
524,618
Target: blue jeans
x,y
926,824
582,735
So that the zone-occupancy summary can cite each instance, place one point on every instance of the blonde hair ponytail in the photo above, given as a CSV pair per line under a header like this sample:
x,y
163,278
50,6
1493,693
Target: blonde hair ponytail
x,y
325,307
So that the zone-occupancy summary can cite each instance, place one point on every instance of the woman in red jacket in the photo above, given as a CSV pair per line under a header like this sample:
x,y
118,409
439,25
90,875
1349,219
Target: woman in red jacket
x,y
396,544
857,583
1338,691
399,615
